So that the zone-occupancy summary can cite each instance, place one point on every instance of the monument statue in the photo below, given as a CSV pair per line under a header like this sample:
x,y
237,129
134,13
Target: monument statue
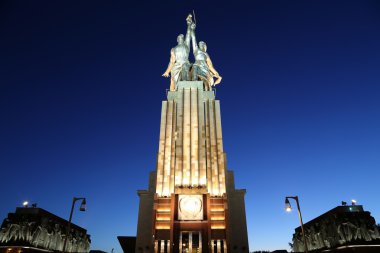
x,y
179,65
202,68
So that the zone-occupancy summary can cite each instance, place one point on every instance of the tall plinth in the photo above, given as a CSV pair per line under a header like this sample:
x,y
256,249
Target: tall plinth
x,y
191,204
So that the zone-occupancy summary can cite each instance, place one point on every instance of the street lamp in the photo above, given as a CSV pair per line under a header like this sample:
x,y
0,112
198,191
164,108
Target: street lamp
x,y
82,208
288,208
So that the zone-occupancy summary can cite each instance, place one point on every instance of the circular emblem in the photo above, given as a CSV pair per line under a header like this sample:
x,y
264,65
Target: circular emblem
x,y
190,207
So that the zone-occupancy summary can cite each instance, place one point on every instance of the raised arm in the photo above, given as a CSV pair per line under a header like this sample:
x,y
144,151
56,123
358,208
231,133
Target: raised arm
x,y
187,38
193,39
189,21
171,63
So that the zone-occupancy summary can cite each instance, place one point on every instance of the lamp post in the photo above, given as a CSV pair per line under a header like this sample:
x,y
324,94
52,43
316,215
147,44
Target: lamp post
x,y
288,208
82,209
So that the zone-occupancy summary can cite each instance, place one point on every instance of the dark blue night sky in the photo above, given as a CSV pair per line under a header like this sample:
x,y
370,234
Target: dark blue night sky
x,y
81,91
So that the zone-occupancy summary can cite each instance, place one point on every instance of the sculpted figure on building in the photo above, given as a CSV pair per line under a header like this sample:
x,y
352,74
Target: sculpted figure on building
x,y
203,68
179,65
342,228
180,68
41,232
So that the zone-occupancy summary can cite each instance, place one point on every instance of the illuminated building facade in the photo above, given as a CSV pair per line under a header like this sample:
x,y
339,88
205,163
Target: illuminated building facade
x,y
191,204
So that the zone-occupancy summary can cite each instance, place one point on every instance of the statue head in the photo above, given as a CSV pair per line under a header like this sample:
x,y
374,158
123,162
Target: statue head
x,y
202,46
180,39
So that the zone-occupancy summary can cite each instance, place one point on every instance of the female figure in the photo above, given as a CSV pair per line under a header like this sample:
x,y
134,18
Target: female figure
x,y
203,68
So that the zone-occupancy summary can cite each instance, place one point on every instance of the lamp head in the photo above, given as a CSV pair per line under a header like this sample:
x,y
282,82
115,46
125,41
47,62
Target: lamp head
x,y
353,202
25,204
83,205
288,207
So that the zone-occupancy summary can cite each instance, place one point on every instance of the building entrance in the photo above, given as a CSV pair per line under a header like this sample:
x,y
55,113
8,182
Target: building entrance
x,y
190,242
